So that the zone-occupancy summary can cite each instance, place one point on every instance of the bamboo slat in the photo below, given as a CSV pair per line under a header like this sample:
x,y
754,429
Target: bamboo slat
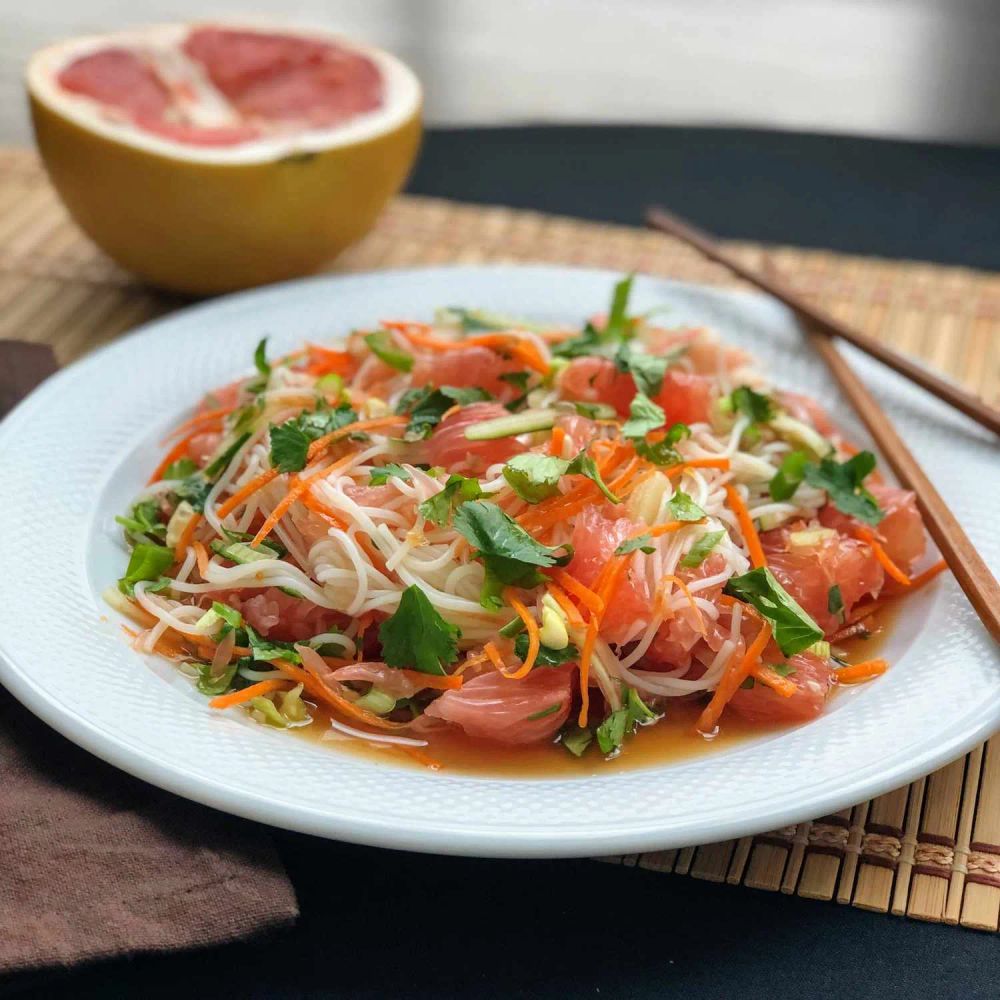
x,y
931,850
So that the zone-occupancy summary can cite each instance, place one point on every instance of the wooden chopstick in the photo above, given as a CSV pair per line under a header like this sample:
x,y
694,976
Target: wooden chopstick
x,y
972,574
825,324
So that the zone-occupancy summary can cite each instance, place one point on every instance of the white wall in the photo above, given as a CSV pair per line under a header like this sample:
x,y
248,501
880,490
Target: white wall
x,y
911,68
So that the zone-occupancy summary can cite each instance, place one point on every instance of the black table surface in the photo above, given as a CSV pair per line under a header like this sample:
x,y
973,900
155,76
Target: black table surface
x,y
386,924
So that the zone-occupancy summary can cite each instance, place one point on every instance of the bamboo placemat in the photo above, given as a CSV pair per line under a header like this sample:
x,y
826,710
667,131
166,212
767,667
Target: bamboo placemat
x,y
930,850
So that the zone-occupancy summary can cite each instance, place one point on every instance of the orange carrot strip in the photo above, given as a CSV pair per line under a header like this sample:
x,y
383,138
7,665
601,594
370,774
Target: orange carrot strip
x,y
202,554
769,676
186,536
378,423
299,486
519,347
927,575
247,693
663,529
861,671
534,639
322,692
449,682
586,654
495,658
702,463
583,594
179,450
562,599
736,673
557,441
749,532
882,556
318,507
690,599
209,416
245,491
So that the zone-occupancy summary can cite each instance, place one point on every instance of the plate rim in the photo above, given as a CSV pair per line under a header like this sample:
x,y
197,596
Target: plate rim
x,y
478,841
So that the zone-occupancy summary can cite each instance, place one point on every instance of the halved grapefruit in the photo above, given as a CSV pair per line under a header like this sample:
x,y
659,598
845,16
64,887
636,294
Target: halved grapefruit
x,y
211,157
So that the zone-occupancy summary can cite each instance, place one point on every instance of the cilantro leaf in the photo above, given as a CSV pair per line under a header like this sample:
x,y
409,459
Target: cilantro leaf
x,y
617,328
794,630
534,477
789,476
576,740
510,555
547,656
428,405
289,446
180,469
585,344
843,483
641,542
643,416
612,731
383,345
584,465
759,408
290,441
144,520
380,476
195,490
457,490
663,452
647,370
683,508
417,637
267,650
493,533
698,552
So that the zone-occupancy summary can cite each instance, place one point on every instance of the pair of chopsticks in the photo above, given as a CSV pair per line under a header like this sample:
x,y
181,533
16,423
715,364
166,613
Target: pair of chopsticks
x,y
972,574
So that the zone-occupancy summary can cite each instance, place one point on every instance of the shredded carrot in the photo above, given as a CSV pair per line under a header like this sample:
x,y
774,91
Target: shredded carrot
x,y
245,491
200,419
562,599
664,529
378,423
324,360
179,450
447,682
861,671
747,529
519,347
586,654
323,692
421,757
769,676
736,673
186,536
495,658
701,463
927,575
206,652
299,486
470,661
320,508
661,596
557,441
583,594
202,554
534,638
246,694
882,556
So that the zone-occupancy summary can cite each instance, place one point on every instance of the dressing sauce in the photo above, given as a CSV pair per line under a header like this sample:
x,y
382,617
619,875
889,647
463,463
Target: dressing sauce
x,y
671,740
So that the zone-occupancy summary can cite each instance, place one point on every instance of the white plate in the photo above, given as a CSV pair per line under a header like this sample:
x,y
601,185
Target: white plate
x,y
74,453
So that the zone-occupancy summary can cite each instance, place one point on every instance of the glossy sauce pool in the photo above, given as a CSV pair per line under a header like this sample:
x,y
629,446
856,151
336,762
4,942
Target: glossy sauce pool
x,y
670,740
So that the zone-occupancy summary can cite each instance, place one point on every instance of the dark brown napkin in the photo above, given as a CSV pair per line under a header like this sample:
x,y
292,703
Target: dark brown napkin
x,y
96,863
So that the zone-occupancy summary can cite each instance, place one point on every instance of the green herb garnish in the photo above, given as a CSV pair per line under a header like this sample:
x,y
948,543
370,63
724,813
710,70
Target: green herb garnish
x,y
698,552
789,476
844,484
417,637
547,656
457,490
380,476
794,629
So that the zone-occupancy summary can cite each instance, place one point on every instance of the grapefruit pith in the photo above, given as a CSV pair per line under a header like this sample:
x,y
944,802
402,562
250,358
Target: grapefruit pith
x,y
207,158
